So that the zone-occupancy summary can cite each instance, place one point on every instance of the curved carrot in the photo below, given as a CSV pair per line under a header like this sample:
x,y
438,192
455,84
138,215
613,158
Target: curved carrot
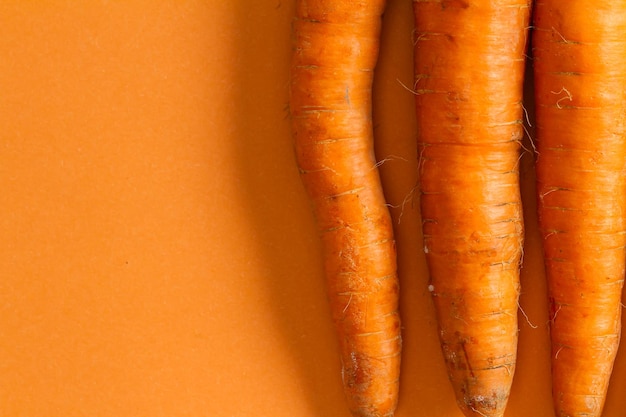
x,y
336,49
469,64
579,53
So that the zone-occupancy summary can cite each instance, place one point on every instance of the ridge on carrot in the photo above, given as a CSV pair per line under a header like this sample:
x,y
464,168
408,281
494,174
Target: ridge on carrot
x,y
469,69
579,59
336,46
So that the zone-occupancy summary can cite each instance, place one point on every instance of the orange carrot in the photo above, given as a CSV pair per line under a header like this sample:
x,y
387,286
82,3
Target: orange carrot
x,y
579,54
335,52
469,68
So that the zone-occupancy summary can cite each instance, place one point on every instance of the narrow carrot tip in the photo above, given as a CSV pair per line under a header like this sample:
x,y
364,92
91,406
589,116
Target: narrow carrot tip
x,y
484,406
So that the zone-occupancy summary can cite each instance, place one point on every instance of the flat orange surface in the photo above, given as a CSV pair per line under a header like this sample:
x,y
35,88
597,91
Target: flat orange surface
x,y
157,252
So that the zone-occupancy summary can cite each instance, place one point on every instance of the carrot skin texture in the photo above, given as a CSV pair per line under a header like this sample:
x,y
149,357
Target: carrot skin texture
x,y
469,68
580,91
335,51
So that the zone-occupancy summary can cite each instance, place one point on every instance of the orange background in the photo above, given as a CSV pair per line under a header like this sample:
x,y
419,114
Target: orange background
x,y
157,253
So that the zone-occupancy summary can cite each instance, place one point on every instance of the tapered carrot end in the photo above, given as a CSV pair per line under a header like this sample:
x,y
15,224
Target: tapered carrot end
x,y
372,391
481,350
484,406
581,375
366,408
372,413
485,392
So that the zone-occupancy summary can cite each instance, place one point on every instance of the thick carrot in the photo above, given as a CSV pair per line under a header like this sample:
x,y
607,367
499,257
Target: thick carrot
x,y
335,52
579,53
469,68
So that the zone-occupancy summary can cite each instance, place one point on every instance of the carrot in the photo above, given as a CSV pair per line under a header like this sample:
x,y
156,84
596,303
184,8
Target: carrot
x,y
580,97
336,47
469,69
